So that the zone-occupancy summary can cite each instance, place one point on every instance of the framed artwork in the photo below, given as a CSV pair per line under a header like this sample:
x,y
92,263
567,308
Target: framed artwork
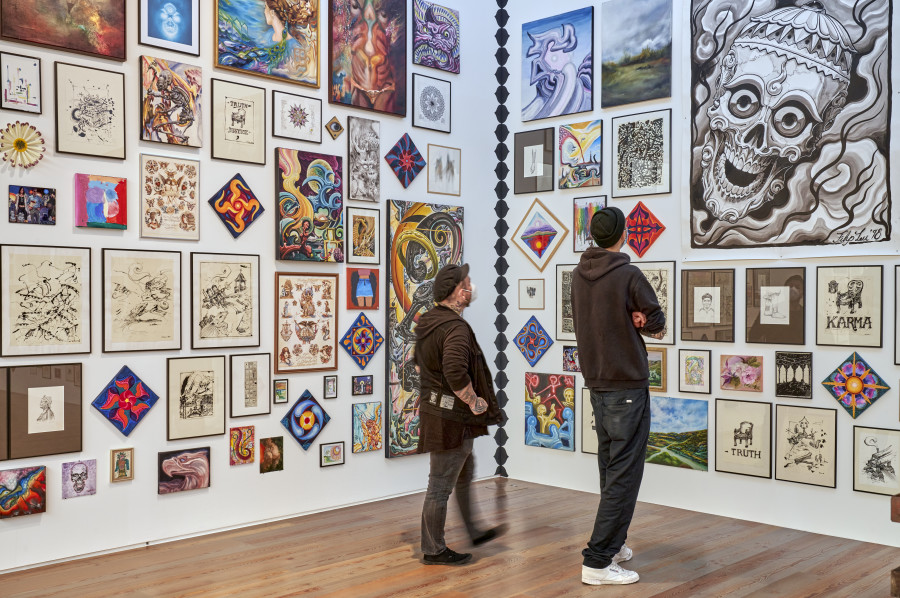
x,y
636,52
581,155
432,105
169,198
550,411
334,127
98,202
362,288
855,385
531,293
533,161
241,445
225,300
141,300
331,453
570,359
45,300
556,82
364,225
310,222
236,206
661,276
539,235
656,360
22,83
694,371
436,37
806,445
707,305
363,159
741,372
848,306
642,154
329,384
876,460
585,208
33,482
793,375
362,340
405,160
532,341
4,415
367,427
125,401
276,40
170,24
744,437
171,102
896,319
565,322
280,391
305,420
385,91
361,385
96,30
79,478
238,122
81,94
776,306
444,170
33,205
644,228
271,454
679,430
296,117
182,470
250,382
589,442
196,397
306,328
43,404
121,465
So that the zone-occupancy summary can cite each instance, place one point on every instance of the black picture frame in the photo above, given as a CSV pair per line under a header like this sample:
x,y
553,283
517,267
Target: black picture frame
x,y
218,427
771,331
722,447
857,430
791,360
353,381
40,93
853,331
810,439
666,186
682,386
214,120
121,119
717,332
173,47
418,79
18,380
537,184
287,391
322,453
276,92
325,381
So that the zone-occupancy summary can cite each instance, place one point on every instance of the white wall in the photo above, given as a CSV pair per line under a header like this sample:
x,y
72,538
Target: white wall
x,y
131,513
839,511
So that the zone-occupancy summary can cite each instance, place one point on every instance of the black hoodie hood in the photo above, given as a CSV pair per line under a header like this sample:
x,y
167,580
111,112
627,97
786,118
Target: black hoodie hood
x,y
596,263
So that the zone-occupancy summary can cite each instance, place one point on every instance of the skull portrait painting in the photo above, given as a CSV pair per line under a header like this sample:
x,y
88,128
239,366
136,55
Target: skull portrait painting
x,y
790,129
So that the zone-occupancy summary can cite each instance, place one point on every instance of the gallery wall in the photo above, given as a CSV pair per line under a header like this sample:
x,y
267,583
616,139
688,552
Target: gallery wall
x,y
132,514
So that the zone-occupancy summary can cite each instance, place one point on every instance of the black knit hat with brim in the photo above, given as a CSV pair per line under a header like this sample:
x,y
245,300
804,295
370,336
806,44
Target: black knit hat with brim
x,y
607,226
447,279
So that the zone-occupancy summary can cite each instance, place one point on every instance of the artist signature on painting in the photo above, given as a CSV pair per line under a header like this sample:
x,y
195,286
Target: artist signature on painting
x,y
860,236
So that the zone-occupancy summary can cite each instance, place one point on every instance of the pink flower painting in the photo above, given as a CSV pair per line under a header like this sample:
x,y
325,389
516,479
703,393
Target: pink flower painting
x,y
742,372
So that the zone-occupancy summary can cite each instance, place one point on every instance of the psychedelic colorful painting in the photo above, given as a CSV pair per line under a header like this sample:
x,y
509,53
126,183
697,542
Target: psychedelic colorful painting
x,y
236,205
367,427
855,385
533,341
242,448
305,420
643,229
181,470
100,201
585,208
171,109
23,491
436,38
679,430
550,411
96,28
362,340
581,155
405,160
570,359
539,235
125,401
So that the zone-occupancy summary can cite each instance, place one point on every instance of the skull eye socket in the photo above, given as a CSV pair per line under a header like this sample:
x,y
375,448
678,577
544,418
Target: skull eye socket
x,y
744,102
790,120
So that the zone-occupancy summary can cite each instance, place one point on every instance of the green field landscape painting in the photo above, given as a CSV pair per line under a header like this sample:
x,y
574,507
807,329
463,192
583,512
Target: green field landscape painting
x,y
678,433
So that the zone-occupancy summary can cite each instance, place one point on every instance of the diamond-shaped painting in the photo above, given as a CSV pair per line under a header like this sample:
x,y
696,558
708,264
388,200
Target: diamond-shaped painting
x,y
855,385
125,400
539,235
533,341
405,160
305,420
362,341
643,229
334,127
236,205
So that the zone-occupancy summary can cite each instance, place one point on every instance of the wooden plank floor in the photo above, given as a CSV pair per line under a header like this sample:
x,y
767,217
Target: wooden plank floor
x,y
372,551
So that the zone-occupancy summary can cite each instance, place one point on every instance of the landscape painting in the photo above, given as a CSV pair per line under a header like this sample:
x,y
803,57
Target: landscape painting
x,y
678,433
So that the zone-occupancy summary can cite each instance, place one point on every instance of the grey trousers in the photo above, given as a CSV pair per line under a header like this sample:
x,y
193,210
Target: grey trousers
x,y
449,469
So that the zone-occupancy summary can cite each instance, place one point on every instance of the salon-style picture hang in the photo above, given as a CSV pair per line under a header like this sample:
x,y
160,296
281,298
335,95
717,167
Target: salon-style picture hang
x,y
790,113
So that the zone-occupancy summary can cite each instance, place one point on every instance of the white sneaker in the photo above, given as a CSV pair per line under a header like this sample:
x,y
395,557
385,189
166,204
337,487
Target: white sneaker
x,y
623,555
614,574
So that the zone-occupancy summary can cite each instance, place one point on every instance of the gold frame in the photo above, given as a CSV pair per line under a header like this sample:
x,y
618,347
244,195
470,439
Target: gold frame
x,y
112,465
562,232
662,352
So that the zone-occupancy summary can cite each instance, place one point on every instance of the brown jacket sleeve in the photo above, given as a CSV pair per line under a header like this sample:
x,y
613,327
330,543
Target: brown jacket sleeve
x,y
456,356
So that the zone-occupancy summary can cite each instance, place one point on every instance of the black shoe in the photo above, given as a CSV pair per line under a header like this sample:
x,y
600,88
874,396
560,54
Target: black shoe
x,y
494,532
447,557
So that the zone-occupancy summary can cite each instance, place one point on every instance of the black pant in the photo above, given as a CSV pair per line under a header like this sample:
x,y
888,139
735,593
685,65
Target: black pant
x,y
622,419
450,470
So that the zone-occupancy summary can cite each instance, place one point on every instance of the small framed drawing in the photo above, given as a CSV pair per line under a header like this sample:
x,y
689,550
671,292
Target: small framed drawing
x,y
238,122
589,442
876,460
361,385
22,91
196,397
793,375
744,437
707,305
296,117
432,105
81,94
533,161
168,210
224,291
565,322
656,360
141,300
306,322
806,445
329,387
331,453
45,300
363,159
250,382
531,293
661,276
362,288
848,306
444,170
776,306
585,208
121,465
171,102
694,371
170,25
280,391
642,154
539,235
364,229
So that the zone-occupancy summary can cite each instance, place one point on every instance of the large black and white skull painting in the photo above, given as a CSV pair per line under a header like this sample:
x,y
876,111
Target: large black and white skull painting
x,y
790,133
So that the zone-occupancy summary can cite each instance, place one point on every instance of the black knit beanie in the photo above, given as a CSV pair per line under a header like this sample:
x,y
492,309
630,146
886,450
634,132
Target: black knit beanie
x,y
607,226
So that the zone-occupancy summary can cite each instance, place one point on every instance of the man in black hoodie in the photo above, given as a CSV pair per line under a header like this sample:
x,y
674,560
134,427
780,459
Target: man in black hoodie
x,y
457,404
612,305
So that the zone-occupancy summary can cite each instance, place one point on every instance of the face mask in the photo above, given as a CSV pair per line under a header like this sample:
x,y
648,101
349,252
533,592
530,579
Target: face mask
x,y
473,294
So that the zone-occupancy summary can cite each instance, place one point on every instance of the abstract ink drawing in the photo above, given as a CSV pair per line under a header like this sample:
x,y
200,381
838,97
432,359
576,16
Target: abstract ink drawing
x,y
224,294
855,385
125,401
362,341
23,491
305,420
436,37
405,160
183,470
236,205
643,229
581,155
533,341
641,154
171,109
550,411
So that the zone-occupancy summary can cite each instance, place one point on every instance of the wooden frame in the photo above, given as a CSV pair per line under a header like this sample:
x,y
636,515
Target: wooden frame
x,y
540,182
179,381
565,323
848,326
808,442
419,117
331,393
719,321
876,440
666,185
40,86
229,274
229,149
144,38
316,120
661,351
736,451
76,139
336,448
113,454
770,314
458,174
285,300
538,208
349,228
261,384
706,368
539,286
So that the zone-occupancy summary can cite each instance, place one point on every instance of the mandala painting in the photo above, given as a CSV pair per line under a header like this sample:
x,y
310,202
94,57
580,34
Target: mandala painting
x,y
643,229
533,341
236,205
305,420
855,385
405,160
125,401
362,341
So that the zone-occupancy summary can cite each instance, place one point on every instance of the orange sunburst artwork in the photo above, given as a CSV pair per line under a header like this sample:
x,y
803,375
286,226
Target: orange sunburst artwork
x,y
855,385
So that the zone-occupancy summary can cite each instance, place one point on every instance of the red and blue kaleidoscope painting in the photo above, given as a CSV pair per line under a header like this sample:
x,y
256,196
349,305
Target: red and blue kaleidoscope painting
x,y
362,341
305,420
855,385
643,229
125,401
236,205
405,160
533,341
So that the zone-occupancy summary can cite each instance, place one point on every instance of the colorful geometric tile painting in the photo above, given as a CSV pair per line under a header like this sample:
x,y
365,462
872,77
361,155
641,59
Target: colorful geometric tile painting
x,y
243,449
855,385
362,341
305,420
550,411
100,201
236,205
23,491
405,160
125,400
643,229
533,341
